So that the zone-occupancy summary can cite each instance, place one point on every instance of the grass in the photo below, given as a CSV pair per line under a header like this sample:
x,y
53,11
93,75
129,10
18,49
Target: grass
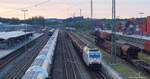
x,y
122,67
144,57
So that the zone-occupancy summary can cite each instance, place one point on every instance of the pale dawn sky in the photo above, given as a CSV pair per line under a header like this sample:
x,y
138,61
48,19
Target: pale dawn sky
x,y
66,8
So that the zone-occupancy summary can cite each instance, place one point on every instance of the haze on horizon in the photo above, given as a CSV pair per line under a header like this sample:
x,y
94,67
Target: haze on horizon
x,y
66,8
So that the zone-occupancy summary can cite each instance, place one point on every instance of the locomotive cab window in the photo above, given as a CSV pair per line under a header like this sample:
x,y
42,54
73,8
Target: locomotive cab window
x,y
94,55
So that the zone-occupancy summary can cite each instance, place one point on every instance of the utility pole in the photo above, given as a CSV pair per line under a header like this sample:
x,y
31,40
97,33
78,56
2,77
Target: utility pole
x,y
74,14
25,48
24,12
91,9
80,12
113,53
91,19
25,24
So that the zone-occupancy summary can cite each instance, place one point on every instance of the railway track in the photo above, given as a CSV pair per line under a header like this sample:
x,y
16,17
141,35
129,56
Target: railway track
x,y
88,37
67,62
25,60
76,65
94,74
6,60
132,63
98,75
71,71
57,67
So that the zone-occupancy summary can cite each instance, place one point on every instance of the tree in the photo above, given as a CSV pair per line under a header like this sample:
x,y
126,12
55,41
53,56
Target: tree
x,y
78,23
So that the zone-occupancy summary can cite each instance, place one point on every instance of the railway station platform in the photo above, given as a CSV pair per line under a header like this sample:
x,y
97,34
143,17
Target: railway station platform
x,y
11,39
5,52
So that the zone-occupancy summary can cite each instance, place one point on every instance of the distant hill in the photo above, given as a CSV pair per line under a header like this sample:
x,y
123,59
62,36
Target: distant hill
x,y
54,21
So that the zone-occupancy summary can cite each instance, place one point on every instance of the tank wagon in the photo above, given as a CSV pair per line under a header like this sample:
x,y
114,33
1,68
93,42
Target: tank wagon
x,y
91,55
41,66
124,50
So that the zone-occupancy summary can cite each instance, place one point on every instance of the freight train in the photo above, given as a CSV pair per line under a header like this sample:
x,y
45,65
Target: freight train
x,y
41,66
124,50
147,47
91,56
142,42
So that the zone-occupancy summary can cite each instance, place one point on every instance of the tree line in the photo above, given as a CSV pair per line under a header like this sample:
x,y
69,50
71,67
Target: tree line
x,y
38,20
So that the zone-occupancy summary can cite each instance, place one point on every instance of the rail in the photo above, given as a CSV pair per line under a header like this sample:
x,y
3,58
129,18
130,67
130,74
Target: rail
x,y
26,59
69,62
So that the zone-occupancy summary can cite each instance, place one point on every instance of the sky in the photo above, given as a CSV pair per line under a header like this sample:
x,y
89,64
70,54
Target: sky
x,y
67,8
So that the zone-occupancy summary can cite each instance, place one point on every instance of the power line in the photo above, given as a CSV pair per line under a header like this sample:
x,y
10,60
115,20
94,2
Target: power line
x,y
28,7
6,7
36,5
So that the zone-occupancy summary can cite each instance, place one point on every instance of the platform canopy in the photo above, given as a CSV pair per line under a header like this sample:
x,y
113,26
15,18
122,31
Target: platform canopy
x,y
12,34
